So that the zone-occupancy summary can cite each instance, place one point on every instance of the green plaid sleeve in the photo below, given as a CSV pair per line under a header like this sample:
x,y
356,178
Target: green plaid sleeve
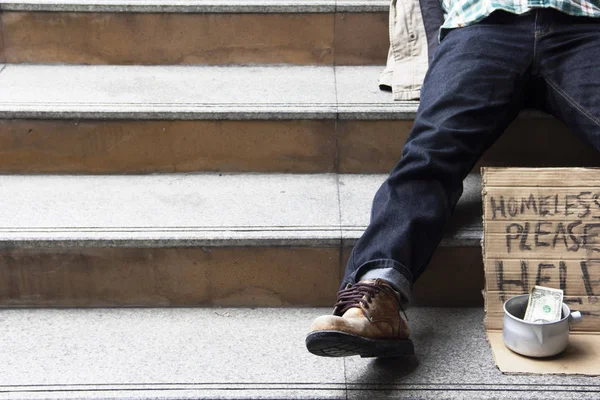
x,y
460,13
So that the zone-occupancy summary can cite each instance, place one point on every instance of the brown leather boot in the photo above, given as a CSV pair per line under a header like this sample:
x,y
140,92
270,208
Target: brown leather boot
x,y
366,321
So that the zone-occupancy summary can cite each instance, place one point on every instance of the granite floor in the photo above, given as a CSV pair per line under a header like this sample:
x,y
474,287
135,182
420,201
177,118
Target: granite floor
x,y
185,353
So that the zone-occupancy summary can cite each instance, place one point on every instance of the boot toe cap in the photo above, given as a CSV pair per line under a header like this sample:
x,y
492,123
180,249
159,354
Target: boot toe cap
x,y
326,323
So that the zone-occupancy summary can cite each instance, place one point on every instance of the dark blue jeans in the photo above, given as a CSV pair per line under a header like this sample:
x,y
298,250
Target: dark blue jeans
x,y
476,85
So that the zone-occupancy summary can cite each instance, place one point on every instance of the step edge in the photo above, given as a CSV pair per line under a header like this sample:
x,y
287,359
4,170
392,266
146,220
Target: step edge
x,y
312,234
235,113
208,6
468,238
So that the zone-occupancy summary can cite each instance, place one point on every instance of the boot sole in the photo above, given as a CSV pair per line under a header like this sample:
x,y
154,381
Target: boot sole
x,y
340,344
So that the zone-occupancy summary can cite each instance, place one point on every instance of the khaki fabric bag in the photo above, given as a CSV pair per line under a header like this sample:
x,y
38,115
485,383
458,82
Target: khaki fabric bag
x,y
407,60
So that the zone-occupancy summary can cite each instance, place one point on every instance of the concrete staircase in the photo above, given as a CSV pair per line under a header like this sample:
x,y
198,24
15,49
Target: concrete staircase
x,y
220,154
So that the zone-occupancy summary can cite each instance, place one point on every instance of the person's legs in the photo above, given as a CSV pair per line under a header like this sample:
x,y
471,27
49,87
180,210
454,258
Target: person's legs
x,y
472,91
568,53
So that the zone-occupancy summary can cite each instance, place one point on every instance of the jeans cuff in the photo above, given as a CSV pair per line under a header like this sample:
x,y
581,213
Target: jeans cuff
x,y
388,270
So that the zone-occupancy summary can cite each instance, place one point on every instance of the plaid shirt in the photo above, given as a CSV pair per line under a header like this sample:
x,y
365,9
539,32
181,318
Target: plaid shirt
x,y
459,13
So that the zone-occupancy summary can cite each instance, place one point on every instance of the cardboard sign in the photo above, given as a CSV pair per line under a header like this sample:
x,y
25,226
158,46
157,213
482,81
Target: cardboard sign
x,y
542,227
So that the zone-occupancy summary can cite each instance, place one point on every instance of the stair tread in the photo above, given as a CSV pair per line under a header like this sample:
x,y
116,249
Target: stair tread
x,y
195,6
202,209
198,92
247,353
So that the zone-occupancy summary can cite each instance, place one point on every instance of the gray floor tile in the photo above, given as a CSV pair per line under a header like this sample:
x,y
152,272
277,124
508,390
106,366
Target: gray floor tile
x,y
359,85
359,96
362,5
223,6
245,353
178,393
239,92
454,361
163,346
261,207
196,6
356,197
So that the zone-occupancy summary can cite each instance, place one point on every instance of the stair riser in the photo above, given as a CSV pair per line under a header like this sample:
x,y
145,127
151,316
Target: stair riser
x,y
28,146
211,276
453,278
188,38
375,146
300,146
169,277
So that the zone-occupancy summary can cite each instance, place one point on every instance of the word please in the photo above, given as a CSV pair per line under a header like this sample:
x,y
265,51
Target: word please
x,y
582,205
572,236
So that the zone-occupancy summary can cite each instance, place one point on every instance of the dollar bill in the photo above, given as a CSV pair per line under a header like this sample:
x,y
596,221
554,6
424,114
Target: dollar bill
x,y
545,305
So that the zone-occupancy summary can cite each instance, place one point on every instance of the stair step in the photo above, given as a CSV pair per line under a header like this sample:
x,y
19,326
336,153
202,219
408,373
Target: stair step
x,y
196,93
165,32
248,353
197,6
237,240
122,119
201,210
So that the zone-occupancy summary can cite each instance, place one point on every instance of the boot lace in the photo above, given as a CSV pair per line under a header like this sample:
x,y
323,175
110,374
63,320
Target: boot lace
x,y
354,296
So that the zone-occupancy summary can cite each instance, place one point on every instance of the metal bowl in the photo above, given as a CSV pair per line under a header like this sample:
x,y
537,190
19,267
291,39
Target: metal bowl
x,y
535,339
